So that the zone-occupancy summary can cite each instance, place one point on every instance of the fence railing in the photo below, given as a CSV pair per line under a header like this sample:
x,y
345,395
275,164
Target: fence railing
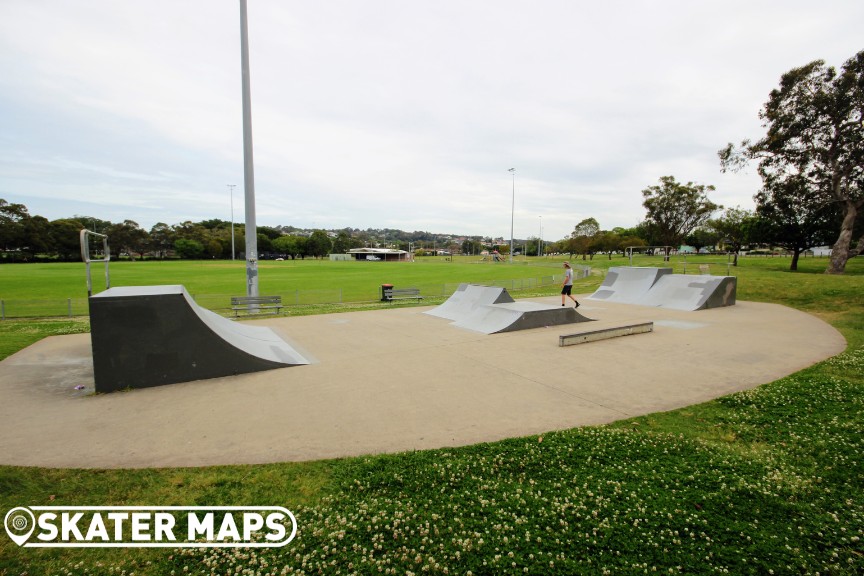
x,y
71,307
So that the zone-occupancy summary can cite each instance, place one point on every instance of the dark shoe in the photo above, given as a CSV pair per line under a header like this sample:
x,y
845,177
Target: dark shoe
x,y
577,305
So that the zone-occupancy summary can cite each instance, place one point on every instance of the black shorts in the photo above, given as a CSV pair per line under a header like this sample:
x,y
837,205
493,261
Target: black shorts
x,y
566,289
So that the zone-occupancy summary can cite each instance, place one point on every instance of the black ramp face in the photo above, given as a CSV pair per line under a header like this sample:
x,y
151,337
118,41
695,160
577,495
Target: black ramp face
x,y
146,336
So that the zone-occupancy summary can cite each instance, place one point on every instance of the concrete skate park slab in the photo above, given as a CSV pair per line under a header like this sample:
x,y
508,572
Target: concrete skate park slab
x,y
394,380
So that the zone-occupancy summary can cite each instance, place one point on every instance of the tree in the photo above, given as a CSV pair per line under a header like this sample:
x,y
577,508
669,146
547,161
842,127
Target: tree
x,y
702,237
472,246
161,239
342,243
127,237
188,248
793,217
814,144
286,245
12,232
66,238
319,244
606,241
675,209
732,229
583,235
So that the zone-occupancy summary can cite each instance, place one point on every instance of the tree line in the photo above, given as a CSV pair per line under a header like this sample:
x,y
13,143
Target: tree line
x,y
26,238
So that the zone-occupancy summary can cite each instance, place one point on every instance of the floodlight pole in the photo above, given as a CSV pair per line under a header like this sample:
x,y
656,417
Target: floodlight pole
x,y
233,252
248,171
512,211
540,239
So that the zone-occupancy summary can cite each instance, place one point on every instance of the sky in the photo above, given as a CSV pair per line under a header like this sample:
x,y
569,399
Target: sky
x,y
393,113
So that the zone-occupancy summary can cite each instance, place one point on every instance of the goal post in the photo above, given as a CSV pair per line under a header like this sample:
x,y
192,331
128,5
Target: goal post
x,y
85,256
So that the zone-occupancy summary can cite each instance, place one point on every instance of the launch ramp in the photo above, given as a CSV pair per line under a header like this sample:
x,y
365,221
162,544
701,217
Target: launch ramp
x,y
144,336
491,310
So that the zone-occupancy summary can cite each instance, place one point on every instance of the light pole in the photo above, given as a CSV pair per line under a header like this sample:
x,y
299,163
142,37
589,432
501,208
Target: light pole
x,y
233,252
248,163
540,239
512,211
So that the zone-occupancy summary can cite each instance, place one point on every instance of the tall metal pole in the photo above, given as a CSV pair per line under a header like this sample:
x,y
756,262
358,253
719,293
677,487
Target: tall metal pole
x,y
233,251
248,171
540,239
512,212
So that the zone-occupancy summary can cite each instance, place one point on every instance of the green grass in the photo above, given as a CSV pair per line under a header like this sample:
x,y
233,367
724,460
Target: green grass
x,y
68,280
764,480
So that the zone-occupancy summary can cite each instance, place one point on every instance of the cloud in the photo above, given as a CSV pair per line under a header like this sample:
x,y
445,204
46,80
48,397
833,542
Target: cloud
x,y
392,114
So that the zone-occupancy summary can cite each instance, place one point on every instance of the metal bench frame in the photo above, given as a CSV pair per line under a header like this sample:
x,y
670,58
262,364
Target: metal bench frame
x,y
256,304
403,294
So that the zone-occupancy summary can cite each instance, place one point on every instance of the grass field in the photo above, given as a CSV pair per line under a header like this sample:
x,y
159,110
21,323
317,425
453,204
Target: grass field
x,y
763,481
68,280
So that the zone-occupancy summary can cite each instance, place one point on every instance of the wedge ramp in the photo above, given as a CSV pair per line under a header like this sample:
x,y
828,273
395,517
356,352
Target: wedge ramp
x,y
467,298
491,310
143,336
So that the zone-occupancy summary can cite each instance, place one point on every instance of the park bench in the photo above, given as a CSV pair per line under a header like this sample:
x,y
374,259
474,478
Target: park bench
x,y
403,294
705,269
256,304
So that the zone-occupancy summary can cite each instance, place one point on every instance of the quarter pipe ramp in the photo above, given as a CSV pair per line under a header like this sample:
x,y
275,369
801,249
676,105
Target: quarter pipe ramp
x,y
144,336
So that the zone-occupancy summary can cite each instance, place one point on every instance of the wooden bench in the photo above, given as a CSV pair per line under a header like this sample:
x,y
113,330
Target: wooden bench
x,y
256,304
705,269
402,294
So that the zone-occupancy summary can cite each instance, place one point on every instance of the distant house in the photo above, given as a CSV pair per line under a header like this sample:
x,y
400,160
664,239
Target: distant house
x,y
378,254
821,251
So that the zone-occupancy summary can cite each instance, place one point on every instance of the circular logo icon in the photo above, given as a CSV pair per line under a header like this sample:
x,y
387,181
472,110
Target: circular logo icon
x,y
19,523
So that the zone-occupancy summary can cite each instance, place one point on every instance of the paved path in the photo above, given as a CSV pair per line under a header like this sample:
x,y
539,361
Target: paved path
x,y
394,380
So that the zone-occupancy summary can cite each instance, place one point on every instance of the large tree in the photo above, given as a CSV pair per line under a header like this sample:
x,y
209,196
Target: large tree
x,y
319,244
582,237
794,215
675,209
12,226
815,135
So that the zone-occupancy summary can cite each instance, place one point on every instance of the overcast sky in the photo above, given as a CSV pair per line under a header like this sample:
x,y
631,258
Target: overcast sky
x,y
398,114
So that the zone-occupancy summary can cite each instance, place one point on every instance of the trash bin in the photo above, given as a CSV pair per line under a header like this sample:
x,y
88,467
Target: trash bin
x,y
386,290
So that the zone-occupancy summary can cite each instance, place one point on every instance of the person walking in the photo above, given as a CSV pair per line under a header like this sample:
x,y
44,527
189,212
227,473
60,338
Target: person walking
x,y
567,287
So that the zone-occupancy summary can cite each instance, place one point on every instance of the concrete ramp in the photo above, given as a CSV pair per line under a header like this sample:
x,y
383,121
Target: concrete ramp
x,y
144,336
683,292
660,288
467,298
491,309
626,284
509,317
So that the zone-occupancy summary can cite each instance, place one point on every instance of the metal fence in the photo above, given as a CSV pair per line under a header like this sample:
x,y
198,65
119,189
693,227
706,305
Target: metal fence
x,y
71,307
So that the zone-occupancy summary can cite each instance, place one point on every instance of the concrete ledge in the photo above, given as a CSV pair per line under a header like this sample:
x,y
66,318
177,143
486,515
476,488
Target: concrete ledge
x,y
604,334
